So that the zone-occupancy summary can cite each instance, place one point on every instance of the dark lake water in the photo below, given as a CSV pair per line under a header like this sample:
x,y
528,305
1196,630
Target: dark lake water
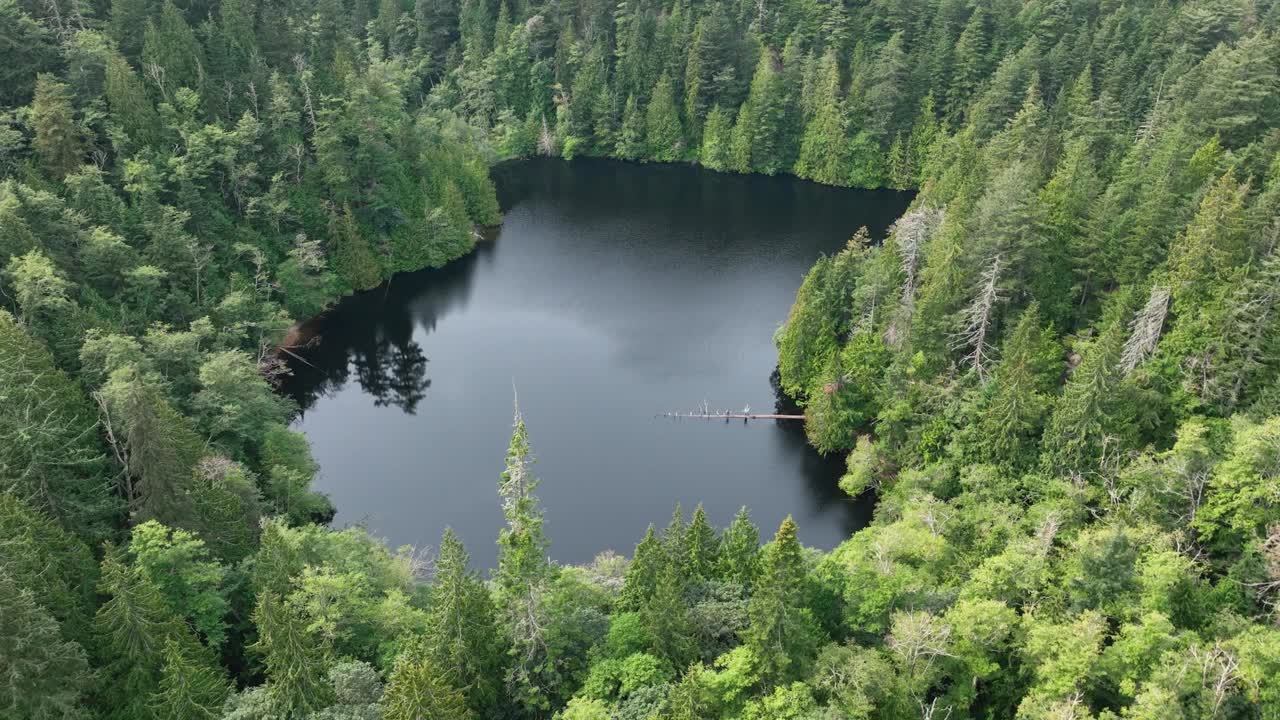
x,y
613,293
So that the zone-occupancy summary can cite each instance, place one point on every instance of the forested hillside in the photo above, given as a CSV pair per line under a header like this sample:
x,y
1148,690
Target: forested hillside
x,y
1060,371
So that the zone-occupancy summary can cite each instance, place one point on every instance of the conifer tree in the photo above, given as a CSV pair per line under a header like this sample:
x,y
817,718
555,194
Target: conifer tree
x,y
1213,244
666,615
663,134
642,573
1067,199
462,626
716,139
297,662
762,122
51,563
49,456
776,602
419,689
1024,379
824,151
58,141
127,19
675,535
353,259
702,546
172,48
159,447
135,627
972,60
1083,422
886,95
631,145
130,107
739,559
43,676
522,548
188,689
523,571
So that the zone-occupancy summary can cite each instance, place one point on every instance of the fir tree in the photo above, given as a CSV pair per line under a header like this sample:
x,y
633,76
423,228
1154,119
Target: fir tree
x,y
666,615
663,134
296,661
824,151
716,139
739,559
523,571
462,626
59,141
1024,379
701,545
43,676
1083,423
419,689
135,628
188,689
642,573
631,145
776,603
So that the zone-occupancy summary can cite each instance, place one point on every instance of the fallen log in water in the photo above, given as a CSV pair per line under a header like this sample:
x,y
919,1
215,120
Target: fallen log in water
x,y
733,416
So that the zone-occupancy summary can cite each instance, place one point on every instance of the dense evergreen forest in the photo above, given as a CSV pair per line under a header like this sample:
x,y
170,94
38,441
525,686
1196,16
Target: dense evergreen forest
x,y
1060,371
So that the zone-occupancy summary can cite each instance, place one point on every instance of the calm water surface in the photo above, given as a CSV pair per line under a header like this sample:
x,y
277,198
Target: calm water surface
x,y
612,294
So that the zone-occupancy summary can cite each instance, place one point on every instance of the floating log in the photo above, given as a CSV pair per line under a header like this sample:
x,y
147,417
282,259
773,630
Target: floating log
x,y
733,416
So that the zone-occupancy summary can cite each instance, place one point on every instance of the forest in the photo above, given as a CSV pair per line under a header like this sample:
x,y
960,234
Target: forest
x,y
1059,373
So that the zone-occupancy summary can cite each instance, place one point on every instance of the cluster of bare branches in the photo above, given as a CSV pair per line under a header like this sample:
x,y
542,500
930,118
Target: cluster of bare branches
x,y
1145,329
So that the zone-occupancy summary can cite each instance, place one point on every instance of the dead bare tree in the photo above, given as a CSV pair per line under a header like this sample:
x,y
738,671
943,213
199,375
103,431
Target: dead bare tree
x,y
910,233
546,141
304,78
979,320
156,72
1145,329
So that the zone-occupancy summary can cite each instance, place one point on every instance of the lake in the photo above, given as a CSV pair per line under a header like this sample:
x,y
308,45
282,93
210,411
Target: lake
x,y
613,293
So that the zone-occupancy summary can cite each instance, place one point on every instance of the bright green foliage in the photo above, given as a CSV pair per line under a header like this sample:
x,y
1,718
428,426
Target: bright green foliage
x,y
584,709
1241,496
178,564
234,403
1077,521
